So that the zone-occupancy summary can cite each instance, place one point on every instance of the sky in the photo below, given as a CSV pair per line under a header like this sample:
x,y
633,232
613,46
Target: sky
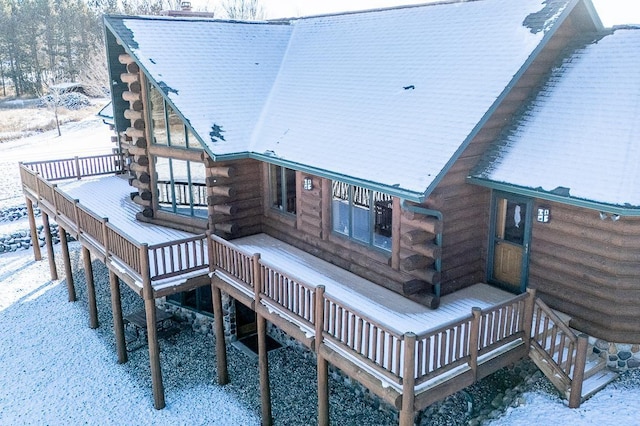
x,y
612,12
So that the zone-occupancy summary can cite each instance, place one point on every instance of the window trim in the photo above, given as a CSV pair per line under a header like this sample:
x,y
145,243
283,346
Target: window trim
x,y
283,190
371,218
173,209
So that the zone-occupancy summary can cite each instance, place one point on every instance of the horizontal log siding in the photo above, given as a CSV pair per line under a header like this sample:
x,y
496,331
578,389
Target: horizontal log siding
x,y
589,268
244,200
465,207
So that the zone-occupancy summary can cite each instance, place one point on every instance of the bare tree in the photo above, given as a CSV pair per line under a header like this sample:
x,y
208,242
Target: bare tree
x,y
250,10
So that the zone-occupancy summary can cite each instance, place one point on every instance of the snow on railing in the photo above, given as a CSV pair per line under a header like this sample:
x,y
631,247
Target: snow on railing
x,y
178,257
166,260
77,167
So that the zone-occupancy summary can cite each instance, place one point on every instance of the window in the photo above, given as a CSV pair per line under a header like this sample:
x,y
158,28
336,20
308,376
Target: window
x,y
181,186
282,187
362,214
176,133
198,300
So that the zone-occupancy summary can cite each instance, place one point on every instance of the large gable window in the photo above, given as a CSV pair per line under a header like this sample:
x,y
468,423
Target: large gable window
x,y
362,214
282,188
181,186
167,126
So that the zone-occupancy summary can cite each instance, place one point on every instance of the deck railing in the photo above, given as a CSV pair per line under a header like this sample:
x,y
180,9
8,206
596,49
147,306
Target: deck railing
x,y
294,296
389,352
166,260
77,167
179,257
561,351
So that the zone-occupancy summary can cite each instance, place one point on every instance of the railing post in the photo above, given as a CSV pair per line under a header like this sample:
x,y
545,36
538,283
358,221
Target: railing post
x,y
77,164
575,397
105,237
407,413
528,314
319,316
257,278
76,216
55,199
474,337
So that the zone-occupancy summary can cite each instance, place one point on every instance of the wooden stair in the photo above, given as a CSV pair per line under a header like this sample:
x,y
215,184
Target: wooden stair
x,y
596,375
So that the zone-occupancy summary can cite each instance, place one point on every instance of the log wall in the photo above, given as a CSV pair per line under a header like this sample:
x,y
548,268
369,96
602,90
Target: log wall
x,y
408,270
234,196
588,268
465,207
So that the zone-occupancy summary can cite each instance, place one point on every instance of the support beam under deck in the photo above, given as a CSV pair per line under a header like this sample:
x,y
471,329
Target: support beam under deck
x,y
49,243
35,243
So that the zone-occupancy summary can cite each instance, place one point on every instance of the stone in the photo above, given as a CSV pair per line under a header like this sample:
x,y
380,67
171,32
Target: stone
x,y
622,364
635,348
613,358
633,363
601,344
624,355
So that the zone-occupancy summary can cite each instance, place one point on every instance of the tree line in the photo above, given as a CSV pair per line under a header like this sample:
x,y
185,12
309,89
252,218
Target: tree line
x,y
43,42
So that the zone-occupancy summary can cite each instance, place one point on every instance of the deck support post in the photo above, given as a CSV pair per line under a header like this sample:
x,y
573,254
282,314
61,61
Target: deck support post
x,y
221,346
118,322
408,413
49,242
323,390
263,362
71,290
91,288
154,354
218,316
152,331
322,366
35,243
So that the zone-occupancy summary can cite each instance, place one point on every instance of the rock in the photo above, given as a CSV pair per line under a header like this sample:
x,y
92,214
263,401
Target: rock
x,y
624,355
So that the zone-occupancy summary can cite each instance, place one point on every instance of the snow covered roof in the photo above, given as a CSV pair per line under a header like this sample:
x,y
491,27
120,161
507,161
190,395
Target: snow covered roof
x,y
579,139
387,97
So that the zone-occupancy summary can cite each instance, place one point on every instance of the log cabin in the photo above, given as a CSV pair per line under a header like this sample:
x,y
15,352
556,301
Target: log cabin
x,y
349,180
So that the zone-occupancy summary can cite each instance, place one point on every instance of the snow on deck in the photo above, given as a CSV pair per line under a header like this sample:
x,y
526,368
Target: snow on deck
x,y
109,197
385,306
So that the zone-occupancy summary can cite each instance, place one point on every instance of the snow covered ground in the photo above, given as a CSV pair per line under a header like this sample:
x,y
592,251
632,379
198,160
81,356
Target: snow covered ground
x,y
55,370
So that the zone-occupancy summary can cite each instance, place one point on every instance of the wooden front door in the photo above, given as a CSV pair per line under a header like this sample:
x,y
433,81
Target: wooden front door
x,y
510,242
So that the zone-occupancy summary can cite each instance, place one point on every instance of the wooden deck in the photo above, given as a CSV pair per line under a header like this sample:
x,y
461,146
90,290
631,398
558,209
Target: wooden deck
x,y
393,311
407,354
86,208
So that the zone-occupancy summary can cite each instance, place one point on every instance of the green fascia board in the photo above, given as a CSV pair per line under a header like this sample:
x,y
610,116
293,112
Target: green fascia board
x,y
327,174
545,195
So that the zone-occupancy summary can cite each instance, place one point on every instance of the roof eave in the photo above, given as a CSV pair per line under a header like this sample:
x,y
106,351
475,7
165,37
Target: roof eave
x,y
327,174
545,195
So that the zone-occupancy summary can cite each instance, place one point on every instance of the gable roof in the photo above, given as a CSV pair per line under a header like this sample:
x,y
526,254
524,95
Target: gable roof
x,y
385,98
578,141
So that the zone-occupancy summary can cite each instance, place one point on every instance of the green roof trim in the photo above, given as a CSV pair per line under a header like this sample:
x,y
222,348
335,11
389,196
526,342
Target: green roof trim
x,y
549,196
